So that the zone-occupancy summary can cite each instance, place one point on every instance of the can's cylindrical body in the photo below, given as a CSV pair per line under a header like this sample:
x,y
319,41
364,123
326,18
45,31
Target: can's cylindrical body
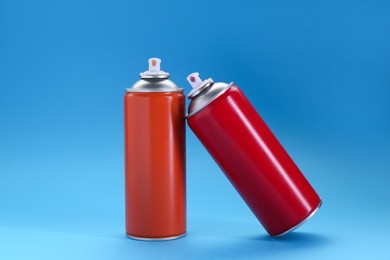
x,y
253,160
155,182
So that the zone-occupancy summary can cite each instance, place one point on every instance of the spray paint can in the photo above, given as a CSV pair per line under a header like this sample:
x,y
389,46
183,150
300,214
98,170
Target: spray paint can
x,y
250,155
155,181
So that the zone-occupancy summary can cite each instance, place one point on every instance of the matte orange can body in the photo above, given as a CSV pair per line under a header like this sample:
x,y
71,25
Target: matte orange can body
x,y
155,181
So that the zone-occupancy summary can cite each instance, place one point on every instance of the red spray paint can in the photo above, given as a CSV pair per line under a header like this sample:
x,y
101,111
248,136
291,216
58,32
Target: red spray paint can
x,y
155,181
250,156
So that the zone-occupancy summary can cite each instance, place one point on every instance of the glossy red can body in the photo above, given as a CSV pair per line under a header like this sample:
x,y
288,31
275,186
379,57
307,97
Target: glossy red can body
x,y
255,162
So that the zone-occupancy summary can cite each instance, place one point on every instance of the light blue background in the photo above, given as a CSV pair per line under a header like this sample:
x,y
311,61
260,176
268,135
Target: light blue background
x,y
317,72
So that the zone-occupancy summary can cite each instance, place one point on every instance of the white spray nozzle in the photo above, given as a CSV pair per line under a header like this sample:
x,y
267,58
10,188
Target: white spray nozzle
x,y
154,70
196,83
154,64
194,80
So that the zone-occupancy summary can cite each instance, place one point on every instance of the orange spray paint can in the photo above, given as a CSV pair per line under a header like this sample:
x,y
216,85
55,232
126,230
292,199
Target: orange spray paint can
x,y
155,181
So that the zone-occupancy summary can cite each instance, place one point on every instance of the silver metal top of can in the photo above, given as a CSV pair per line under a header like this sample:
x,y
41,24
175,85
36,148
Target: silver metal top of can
x,y
154,85
154,80
203,93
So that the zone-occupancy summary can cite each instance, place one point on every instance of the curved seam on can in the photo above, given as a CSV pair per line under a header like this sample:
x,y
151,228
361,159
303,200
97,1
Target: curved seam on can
x,y
300,223
162,91
199,90
154,76
156,239
211,100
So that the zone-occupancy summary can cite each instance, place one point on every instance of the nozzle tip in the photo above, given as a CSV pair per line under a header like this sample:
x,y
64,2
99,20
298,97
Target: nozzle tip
x,y
197,83
194,80
154,64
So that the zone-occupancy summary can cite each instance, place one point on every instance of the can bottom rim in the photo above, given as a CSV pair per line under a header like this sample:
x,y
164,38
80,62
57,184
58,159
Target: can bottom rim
x,y
300,223
156,238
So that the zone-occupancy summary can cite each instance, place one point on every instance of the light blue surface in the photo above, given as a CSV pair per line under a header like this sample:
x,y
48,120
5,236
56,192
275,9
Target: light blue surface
x,y
317,71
